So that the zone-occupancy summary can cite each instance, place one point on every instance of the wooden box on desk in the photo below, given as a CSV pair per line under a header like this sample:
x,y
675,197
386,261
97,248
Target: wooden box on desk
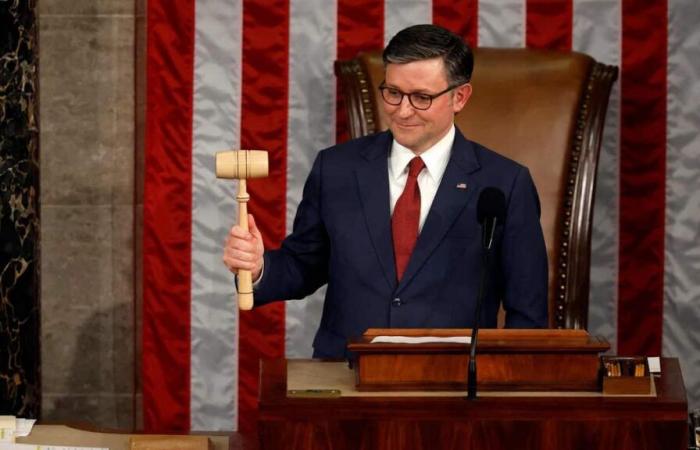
x,y
507,359
169,442
626,375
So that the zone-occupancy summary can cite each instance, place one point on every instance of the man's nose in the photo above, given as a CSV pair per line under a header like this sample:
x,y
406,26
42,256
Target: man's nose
x,y
405,107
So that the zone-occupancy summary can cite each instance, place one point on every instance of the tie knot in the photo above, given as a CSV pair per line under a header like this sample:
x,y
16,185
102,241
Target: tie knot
x,y
415,166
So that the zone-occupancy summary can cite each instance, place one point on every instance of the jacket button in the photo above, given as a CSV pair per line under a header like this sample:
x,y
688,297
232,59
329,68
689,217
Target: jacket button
x,y
396,302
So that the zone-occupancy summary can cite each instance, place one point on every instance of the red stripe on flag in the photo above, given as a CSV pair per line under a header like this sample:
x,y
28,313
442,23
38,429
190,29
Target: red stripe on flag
x,y
264,126
360,28
642,177
167,205
549,24
459,16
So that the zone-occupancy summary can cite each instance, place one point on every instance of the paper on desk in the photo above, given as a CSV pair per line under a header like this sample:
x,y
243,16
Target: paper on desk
x,y
7,446
11,427
8,426
654,364
24,427
421,339
8,422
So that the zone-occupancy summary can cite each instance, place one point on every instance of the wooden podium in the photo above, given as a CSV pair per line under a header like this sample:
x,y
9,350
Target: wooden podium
x,y
516,419
522,360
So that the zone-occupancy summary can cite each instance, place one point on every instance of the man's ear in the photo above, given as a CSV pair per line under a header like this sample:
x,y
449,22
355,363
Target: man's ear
x,y
461,96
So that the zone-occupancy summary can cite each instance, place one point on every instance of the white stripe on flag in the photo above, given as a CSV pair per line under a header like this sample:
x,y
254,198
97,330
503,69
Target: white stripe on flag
x,y
597,30
681,336
399,14
216,123
311,122
501,23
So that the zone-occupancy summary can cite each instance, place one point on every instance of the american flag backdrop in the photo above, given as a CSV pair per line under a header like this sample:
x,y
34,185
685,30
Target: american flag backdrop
x,y
227,74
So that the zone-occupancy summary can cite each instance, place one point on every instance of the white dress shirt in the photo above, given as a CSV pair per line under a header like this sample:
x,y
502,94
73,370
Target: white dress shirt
x,y
435,159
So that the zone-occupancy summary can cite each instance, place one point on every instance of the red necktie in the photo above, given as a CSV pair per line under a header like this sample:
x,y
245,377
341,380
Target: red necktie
x,y
404,222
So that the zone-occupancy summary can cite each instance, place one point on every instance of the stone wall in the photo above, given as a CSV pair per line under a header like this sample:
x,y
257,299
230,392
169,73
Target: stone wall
x,y
88,203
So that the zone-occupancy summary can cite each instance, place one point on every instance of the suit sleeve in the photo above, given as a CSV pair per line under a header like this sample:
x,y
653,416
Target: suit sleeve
x,y
300,266
524,258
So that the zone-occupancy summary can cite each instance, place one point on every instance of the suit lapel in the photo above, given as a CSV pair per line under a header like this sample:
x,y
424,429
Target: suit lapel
x,y
373,184
449,201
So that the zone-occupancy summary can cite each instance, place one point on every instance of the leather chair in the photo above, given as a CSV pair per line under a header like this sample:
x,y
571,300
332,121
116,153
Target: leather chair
x,y
544,109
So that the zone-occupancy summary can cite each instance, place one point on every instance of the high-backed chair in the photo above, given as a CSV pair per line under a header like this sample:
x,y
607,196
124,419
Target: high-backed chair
x,y
544,109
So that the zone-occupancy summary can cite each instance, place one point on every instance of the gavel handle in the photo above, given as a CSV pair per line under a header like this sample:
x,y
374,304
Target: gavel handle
x,y
245,278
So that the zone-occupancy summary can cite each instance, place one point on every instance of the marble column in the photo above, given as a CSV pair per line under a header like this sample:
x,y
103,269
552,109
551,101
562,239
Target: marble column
x,y
19,220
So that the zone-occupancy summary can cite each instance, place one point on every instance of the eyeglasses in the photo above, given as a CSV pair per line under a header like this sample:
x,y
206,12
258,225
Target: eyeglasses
x,y
418,100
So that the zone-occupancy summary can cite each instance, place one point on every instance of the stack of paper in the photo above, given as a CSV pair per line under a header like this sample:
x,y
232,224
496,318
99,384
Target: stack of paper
x,y
12,427
421,339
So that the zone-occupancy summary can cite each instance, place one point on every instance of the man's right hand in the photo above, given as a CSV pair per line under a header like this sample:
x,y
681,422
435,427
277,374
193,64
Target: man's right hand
x,y
244,249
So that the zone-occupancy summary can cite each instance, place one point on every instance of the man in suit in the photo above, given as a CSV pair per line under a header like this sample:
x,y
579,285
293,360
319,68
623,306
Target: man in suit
x,y
389,221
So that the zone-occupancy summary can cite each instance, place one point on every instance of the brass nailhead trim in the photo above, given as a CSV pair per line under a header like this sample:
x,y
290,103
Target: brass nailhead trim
x,y
364,93
574,158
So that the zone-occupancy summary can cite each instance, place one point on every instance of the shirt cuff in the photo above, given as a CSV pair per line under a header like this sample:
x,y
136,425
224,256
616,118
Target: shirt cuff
x,y
257,280
262,271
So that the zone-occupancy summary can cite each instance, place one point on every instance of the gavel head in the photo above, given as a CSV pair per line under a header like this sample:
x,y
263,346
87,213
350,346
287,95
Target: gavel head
x,y
241,164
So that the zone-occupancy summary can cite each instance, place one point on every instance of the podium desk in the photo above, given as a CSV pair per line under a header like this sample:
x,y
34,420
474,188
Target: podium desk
x,y
447,420
69,436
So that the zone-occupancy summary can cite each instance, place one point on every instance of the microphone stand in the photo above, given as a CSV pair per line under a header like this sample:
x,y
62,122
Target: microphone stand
x,y
487,241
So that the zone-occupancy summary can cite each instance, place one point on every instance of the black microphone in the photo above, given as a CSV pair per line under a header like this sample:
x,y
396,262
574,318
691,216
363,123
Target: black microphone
x,y
490,212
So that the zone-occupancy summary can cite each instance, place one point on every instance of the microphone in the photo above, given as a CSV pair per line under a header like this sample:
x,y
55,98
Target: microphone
x,y
490,211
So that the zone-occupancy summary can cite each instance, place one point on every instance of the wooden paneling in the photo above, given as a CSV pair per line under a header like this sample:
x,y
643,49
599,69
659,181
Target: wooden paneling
x,y
492,423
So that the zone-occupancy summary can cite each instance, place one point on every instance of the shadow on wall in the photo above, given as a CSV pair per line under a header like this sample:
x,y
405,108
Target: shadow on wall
x,y
99,387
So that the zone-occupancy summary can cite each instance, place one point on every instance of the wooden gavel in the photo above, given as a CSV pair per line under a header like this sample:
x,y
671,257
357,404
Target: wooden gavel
x,y
241,165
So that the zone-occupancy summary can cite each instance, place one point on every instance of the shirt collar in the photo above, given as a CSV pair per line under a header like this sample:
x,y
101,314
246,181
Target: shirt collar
x,y
435,158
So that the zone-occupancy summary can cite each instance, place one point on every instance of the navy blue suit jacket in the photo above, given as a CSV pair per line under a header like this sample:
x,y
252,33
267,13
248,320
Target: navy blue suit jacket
x,y
342,237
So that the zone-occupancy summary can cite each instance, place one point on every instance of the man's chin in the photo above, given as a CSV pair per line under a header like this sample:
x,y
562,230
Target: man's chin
x,y
409,144
407,139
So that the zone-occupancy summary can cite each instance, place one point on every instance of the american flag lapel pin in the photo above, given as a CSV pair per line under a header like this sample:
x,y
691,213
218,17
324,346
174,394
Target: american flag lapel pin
x,y
461,185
